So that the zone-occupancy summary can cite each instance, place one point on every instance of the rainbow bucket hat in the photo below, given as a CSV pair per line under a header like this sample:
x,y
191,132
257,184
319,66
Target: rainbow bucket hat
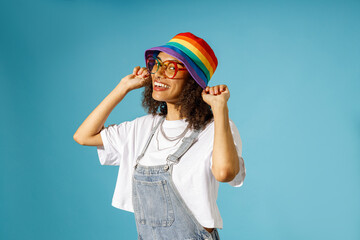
x,y
197,56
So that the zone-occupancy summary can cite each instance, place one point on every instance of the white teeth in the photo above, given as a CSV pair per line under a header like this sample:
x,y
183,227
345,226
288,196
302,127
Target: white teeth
x,y
161,85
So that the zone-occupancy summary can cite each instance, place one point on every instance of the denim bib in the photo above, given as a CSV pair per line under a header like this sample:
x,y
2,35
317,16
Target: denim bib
x,y
160,211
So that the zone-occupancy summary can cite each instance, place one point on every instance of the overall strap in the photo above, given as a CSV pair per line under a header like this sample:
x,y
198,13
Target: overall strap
x,y
149,139
187,142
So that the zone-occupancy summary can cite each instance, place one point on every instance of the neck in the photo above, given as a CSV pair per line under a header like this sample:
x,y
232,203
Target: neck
x,y
172,112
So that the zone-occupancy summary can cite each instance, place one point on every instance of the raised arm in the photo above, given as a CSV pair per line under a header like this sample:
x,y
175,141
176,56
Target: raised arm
x,y
225,160
89,131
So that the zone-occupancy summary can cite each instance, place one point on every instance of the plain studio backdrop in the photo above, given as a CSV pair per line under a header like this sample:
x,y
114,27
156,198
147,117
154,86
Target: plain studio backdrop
x,y
292,68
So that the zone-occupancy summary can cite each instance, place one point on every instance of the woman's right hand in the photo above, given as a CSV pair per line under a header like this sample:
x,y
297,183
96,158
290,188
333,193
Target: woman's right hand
x,y
139,78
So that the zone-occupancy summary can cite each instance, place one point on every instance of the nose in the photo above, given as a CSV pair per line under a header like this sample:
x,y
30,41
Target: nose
x,y
160,72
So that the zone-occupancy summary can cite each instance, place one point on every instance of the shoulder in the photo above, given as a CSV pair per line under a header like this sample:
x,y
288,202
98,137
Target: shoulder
x,y
143,119
146,121
139,121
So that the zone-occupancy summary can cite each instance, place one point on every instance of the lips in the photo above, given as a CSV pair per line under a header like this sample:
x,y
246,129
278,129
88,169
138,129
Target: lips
x,y
159,84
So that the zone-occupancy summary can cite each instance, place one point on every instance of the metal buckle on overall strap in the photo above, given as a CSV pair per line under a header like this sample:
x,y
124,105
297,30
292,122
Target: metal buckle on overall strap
x,y
138,159
173,159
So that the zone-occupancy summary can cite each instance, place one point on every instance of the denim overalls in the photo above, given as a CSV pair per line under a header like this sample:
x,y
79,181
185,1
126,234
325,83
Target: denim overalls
x,y
160,212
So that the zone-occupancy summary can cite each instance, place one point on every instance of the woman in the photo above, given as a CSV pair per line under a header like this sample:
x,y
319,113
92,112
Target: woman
x,y
172,159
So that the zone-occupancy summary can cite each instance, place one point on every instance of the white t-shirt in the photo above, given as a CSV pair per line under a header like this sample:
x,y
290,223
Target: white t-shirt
x,y
192,176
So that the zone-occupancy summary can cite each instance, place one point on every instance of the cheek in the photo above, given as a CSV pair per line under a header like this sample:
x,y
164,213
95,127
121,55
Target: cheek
x,y
182,87
178,88
179,84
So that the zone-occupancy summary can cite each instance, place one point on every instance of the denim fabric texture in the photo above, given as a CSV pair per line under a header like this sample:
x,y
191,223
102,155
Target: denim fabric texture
x,y
160,212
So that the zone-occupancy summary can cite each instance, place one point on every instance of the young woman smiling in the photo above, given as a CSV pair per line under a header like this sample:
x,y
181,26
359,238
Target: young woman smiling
x,y
172,159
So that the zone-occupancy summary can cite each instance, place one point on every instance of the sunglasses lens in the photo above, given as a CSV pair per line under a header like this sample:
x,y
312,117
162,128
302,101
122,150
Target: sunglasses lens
x,y
170,70
152,65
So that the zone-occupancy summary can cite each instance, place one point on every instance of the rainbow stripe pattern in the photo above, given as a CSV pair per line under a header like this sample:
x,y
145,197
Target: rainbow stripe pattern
x,y
194,52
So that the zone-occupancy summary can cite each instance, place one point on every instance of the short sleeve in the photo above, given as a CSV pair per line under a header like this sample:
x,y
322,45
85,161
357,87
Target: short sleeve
x,y
114,138
239,178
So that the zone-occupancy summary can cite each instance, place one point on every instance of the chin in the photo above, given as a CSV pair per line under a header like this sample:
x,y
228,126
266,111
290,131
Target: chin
x,y
157,98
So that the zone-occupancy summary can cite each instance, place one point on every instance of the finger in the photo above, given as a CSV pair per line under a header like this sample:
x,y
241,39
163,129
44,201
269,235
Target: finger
x,y
212,90
142,71
136,69
147,78
216,89
145,72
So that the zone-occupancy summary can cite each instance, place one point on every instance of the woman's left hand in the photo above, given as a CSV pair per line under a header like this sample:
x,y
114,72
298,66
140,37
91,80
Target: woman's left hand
x,y
218,94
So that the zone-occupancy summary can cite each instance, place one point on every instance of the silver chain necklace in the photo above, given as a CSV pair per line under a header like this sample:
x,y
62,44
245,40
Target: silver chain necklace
x,y
173,138
157,141
177,137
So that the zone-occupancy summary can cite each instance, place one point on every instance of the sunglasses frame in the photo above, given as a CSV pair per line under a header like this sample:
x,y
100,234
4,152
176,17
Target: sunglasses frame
x,y
161,64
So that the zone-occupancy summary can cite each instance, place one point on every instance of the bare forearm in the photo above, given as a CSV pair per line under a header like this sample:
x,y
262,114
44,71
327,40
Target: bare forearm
x,y
97,118
225,164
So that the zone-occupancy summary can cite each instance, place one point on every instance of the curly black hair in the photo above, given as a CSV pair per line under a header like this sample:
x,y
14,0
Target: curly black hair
x,y
191,104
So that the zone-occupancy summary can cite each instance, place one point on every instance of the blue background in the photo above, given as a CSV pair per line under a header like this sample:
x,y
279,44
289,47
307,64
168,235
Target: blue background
x,y
292,68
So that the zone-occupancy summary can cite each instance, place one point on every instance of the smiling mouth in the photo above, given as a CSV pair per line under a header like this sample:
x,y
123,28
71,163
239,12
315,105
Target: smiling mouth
x,y
157,84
